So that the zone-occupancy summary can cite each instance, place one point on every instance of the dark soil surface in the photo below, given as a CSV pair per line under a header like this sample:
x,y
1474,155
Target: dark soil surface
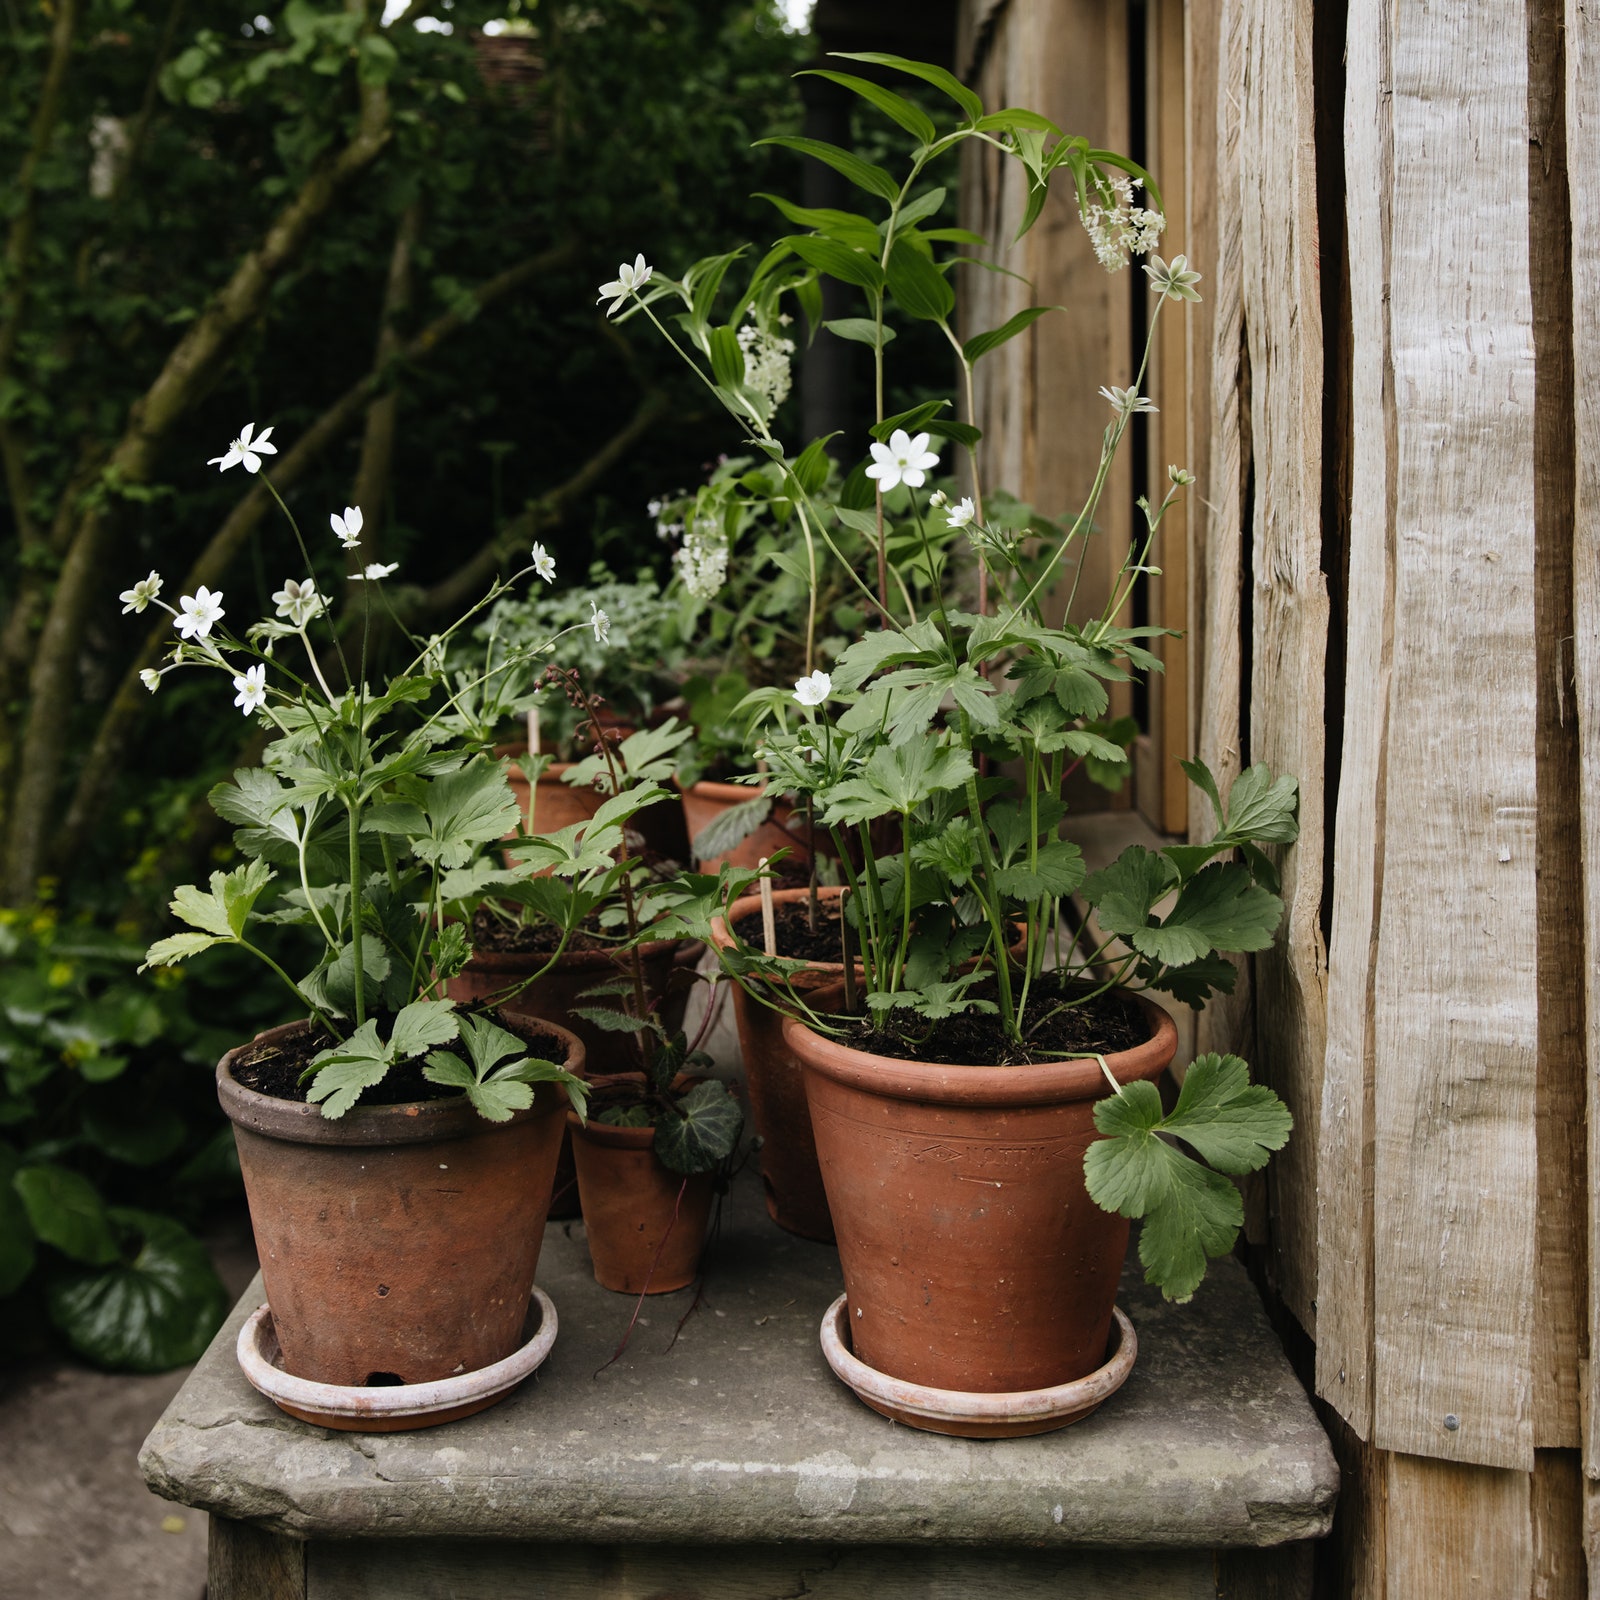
x,y
1101,1026
795,938
275,1068
492,933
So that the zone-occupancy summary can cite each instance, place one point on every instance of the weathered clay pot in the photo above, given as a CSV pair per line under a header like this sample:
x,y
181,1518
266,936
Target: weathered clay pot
x,y
796,1199
973,1258
397,1243
704,802
646,1223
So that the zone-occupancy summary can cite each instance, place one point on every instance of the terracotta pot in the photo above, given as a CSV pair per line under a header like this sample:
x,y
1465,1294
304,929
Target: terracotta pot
x,y
796,1199
398,1243
703,803
554,804
973,1258
646,1223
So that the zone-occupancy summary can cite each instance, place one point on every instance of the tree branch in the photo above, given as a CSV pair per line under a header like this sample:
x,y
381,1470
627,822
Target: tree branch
x,y
129,705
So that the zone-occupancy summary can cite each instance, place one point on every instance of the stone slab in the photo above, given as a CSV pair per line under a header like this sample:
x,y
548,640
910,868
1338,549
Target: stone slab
x,y
737,1433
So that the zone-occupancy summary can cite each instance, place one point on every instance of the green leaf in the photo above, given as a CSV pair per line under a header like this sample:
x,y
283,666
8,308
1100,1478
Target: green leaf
x,y
980,344
729,829
158,1311
140,1137
488,1044
1013,119
610,1021
915,210
1220,908
952,852
344,1070
466,809
811,467
1234,1124
422,1024
937,76
178,947
1124,893
16,1232
1200,1218
705,1131
919,288
1058,872
727,358
451,951
862,330
339,976
1199,774
837,260
1196,982
65,1210
1261,808
1083,743
863,174
848,227
912,118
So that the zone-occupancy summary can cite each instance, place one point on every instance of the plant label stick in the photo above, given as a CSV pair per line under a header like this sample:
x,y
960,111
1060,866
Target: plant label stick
x,y
769,927
533,752
849,954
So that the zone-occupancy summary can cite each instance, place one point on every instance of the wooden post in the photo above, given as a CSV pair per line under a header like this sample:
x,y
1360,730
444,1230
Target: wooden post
x,y
244,1562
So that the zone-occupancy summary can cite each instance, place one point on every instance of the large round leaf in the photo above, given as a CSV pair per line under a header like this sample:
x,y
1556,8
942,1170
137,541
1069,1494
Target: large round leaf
x,y
155,1312
66,1211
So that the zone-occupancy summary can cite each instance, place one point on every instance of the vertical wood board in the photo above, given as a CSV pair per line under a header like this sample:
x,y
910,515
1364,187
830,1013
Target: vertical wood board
x,y
1455,1001
1345,1166
1289,606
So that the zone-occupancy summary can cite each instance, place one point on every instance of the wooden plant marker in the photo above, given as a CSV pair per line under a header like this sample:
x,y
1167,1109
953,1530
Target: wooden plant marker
x,y
849,954
769,927
533,753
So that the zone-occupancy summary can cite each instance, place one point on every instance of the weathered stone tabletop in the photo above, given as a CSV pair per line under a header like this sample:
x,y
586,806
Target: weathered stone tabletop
x,y
738,1435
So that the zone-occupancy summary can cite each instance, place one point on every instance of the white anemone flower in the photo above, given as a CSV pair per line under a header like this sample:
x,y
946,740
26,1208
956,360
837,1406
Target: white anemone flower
x,y
252,688
247,450
628,281
959,516
904,460
141,594
150,678
374,571
199,613
1127,401
1181,477
600,622
813,689
298,601
348,527
1174,281
544,564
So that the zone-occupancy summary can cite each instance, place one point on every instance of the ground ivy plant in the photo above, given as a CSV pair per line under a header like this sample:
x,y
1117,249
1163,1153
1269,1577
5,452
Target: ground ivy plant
x,y
368,805
899,749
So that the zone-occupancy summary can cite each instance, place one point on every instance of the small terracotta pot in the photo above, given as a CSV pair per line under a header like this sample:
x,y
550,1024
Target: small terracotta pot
x,y
397,1242
646,1223
973,1258
554,804
704,802
796,1200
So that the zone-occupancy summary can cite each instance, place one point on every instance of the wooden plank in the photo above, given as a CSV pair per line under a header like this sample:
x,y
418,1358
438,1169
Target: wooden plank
x,y
1283,1573
1225,1024
1556,1494
1560,1315
1456,1014
1345,1136
1582,38
1457,1530
1360,1530
244,1562
1289,603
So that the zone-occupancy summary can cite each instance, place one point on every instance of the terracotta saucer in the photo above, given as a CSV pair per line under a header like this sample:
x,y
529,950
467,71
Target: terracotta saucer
x,y
978,1416
396,1408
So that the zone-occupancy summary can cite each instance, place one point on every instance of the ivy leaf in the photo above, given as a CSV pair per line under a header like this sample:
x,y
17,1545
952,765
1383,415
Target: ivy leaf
x,y
65,1210
1220,908
1190,1212
343,1071
703,1133
424,1023
159,1310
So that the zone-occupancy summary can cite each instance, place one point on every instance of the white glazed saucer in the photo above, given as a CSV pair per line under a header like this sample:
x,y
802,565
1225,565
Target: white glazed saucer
x,y
978,1416
391,1409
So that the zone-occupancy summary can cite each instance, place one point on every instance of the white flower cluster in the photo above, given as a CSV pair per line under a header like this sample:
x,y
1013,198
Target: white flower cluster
x,y
702,559
666,530
1125,229
766,364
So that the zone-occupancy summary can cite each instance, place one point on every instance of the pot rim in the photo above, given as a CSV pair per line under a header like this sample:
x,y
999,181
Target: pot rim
x,y
608,1133
1043,1083
412,1122
731,793
722,939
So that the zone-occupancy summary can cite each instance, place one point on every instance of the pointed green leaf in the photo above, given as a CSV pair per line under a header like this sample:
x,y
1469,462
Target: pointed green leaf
x,y
912,118
937,76
861,330
837,260
982,343
848,227
919,288
863,174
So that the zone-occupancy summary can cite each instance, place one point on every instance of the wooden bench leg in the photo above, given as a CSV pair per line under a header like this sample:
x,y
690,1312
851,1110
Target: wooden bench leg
x,y
244,1562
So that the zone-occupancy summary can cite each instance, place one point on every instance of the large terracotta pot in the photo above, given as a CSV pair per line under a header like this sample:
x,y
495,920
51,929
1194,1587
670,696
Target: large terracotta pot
x,y
646,1224
796,1199
397,1243
704,802
973,1257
